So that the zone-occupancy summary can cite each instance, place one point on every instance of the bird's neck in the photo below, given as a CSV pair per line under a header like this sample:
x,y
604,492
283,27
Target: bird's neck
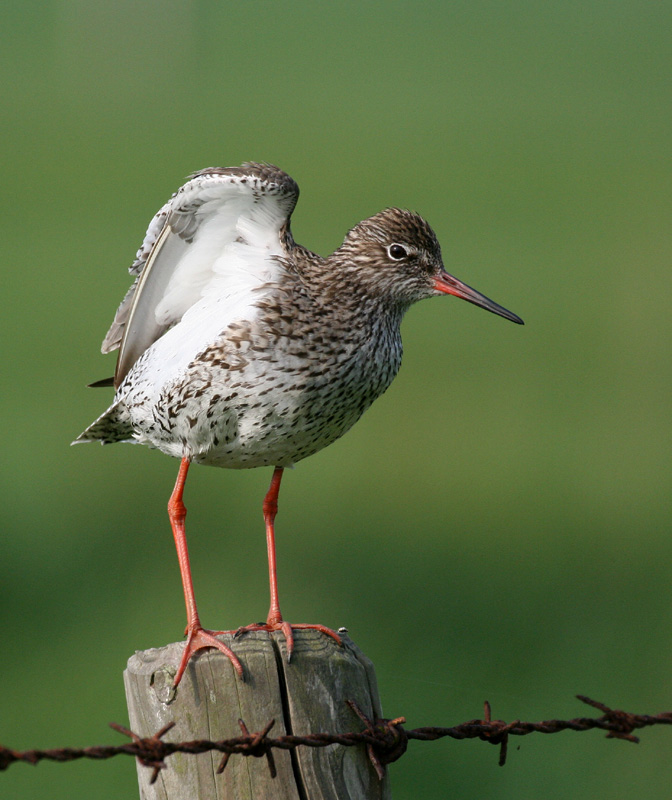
x,y
339,287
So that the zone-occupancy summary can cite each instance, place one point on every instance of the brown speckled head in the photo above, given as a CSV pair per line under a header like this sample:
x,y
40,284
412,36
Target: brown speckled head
x,y
394,255
395,258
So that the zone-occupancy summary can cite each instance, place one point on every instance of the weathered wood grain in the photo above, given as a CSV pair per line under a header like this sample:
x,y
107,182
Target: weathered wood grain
x,y
305,696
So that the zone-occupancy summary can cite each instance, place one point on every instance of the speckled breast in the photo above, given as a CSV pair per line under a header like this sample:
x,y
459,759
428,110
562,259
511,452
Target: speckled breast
x,y
263,403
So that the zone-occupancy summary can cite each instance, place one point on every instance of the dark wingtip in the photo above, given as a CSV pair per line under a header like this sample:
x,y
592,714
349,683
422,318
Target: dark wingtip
x,y
101,383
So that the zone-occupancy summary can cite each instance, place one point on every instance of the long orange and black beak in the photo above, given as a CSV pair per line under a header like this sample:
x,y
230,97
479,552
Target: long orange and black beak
x,y
448,285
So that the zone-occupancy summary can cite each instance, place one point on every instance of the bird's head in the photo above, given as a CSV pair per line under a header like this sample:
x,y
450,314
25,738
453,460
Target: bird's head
x,y
395,256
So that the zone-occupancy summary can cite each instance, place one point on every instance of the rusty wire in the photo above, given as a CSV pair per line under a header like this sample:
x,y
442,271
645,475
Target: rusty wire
x,y
386,740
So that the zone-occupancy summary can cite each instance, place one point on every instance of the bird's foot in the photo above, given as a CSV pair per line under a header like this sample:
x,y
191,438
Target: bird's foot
x,y
286,628
197,639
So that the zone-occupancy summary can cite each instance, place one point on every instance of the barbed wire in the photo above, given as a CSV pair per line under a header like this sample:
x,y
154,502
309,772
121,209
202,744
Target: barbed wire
x,y
386,740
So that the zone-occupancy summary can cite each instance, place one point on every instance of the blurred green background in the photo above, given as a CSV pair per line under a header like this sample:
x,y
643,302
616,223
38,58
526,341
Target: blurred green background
x,y
498,525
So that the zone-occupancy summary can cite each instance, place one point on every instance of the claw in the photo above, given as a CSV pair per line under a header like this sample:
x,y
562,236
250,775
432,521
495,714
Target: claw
x,y
199,639
286,628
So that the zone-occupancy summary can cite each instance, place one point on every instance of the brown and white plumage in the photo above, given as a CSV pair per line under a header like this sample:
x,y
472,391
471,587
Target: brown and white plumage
x,y
239,348
227,310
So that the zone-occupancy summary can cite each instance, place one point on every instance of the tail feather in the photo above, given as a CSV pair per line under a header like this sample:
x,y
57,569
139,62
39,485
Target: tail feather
x,y
110,427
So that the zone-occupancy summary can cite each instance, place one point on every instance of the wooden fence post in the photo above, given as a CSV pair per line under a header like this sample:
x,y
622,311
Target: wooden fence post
x,y
306,696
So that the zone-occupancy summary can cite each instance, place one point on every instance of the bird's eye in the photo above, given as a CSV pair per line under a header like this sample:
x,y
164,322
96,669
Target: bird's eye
x,y
397,252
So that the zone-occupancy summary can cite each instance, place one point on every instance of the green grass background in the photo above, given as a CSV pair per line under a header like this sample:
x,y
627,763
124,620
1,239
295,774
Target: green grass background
x,y
498,525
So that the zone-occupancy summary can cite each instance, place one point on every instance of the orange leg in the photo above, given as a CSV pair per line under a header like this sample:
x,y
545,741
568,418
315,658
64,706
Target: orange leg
x,y
274,621
197,637
270,509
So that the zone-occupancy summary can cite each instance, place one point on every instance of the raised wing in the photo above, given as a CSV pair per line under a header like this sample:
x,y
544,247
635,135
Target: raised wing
x,y
216,236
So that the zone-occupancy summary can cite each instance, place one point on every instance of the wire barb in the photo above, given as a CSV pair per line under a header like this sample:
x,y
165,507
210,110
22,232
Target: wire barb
x,y
497,733
623,723
151,750
389,739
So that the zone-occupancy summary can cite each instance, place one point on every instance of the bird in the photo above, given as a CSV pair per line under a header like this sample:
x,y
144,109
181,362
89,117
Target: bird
x,y
240,348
